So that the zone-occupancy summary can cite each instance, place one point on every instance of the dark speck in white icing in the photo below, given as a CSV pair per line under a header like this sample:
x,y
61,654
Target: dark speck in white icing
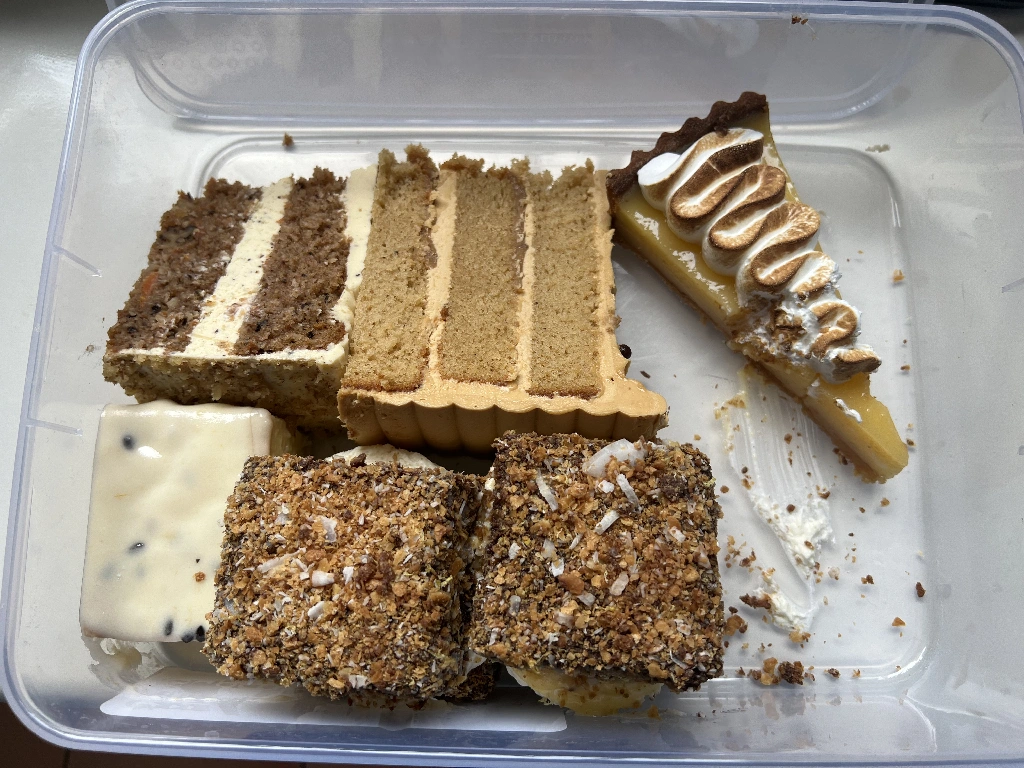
x,y
201,633
128,442
136,547
168,627
188,637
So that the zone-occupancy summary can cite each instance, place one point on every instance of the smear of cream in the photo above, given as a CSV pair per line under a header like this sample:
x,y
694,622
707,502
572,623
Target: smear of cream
x,y
784,483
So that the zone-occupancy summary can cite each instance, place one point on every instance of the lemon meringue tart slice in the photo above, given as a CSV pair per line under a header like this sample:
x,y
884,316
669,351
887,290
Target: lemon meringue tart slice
x,y
713,209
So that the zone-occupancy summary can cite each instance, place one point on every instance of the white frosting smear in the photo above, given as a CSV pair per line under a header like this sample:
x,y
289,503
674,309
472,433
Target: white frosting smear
x,y
790,498
387,454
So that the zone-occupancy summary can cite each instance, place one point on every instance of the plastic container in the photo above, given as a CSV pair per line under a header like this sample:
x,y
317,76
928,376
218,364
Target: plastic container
x,y
901,123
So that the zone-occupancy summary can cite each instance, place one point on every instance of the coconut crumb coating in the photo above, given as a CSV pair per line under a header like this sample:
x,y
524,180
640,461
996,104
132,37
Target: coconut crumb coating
x,y
346,578
602,569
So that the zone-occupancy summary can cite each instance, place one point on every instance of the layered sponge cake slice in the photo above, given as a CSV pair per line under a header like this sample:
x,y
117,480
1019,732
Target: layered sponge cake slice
x,y
247,297
486,305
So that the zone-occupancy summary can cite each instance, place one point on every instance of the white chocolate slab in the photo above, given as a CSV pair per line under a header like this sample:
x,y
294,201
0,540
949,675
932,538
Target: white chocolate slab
x,y
162,474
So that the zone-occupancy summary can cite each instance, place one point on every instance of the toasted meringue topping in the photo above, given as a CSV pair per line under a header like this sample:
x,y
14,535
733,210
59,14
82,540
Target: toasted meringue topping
x,y
723,192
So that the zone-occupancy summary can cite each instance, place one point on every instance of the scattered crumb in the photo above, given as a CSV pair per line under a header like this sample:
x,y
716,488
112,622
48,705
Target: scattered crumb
x,y
90,349
791,507
759,601
200,576
920,589
653,713
825,600
645,374
696,438
799,20
898,622
745,646
799,637
856,673
725,489
792,672
898,276
824,494
788,438
288,141
910,442
832,671
904,368
862,510
734,624
867,579
884,502
850,533
833,572
878,148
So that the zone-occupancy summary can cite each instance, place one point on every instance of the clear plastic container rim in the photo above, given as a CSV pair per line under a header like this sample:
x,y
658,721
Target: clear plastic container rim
x,y
853,11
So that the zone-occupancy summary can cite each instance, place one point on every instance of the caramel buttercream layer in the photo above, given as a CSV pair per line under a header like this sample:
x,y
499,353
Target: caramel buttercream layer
x,y
579,364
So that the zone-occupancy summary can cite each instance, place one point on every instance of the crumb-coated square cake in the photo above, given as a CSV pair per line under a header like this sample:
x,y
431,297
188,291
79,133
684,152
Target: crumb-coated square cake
x,y
345,577
598,580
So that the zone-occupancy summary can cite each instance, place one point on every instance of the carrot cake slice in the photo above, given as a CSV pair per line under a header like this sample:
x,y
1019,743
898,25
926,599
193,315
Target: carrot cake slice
x,y
713,209
487,304
348,578
247,297
597,572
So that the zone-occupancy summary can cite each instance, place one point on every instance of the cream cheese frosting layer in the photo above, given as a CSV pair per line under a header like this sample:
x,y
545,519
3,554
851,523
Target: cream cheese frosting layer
x,y
225,310
728,193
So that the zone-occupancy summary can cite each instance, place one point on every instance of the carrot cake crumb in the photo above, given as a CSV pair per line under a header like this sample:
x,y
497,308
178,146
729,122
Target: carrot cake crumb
x,y
757,601
867,579
884,502
897,276
920,589
288,141
898,622
734,624
833,671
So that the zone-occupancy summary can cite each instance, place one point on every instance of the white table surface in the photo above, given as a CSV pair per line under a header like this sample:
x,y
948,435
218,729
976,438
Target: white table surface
x,y
39,45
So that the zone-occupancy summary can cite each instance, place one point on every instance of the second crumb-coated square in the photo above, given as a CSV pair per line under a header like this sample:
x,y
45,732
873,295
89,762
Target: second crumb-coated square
x,y
600,561
345,577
